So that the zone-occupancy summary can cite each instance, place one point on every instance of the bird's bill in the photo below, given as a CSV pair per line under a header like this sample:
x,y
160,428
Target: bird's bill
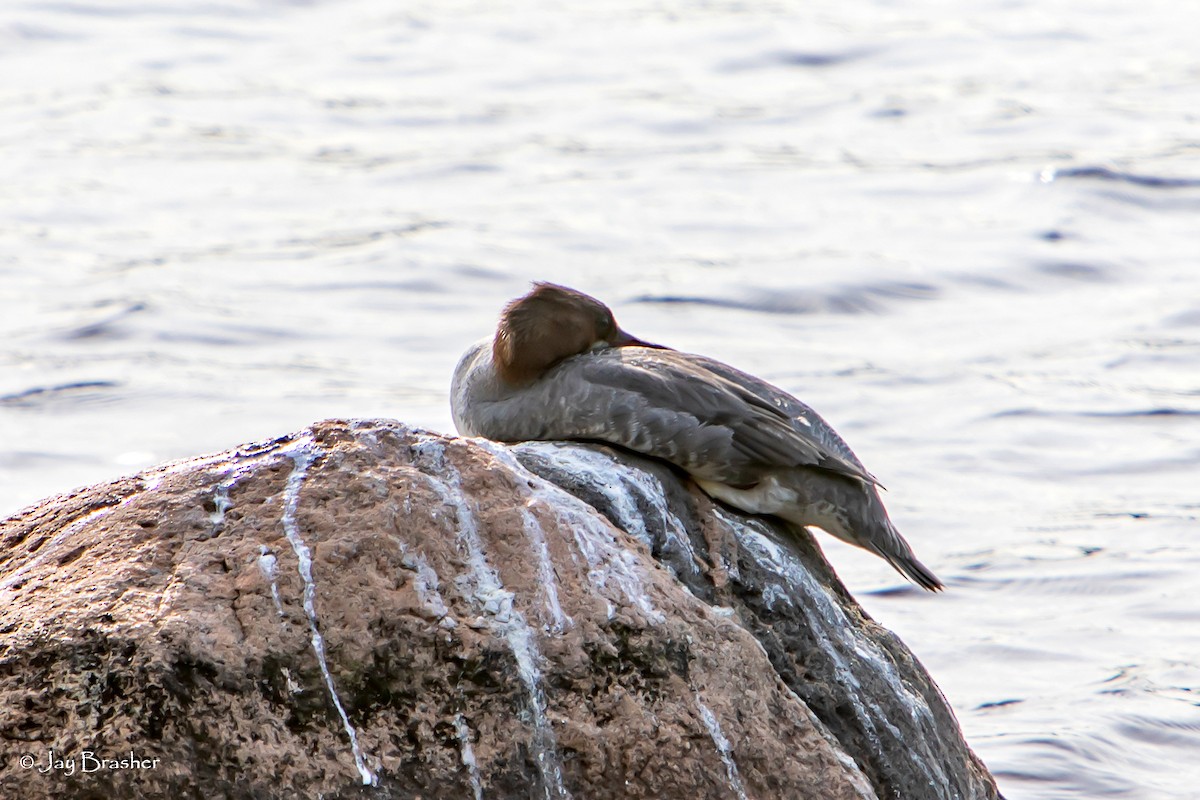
x,y
623,339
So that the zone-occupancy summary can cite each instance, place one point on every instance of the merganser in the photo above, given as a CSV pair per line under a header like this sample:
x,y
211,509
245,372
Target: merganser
x,y
560,368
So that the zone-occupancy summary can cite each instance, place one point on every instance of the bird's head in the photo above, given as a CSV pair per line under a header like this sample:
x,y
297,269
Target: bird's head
x,y
549,324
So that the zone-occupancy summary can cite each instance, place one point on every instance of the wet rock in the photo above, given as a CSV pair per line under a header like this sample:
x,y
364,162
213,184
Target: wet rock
x,y
366,610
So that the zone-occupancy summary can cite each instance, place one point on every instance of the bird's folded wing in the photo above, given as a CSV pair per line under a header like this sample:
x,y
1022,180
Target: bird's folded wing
x,y
672,406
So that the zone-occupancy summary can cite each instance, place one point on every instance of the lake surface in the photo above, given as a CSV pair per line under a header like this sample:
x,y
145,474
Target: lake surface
x,y
967,233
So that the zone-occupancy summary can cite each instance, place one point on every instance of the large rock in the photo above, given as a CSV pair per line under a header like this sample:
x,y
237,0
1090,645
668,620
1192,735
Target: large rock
x,y
366,610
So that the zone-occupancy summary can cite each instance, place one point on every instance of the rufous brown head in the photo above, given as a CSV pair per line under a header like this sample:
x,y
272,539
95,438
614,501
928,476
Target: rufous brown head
x,y
551,323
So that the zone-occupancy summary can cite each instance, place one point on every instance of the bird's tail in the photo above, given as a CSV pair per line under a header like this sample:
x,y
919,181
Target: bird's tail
x,y
890,545
908,566
871,530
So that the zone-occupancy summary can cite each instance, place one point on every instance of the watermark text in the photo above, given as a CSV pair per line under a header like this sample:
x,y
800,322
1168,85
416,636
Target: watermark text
x,y
86,761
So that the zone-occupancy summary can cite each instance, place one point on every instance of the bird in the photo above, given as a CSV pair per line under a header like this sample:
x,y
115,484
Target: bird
x,y
559,367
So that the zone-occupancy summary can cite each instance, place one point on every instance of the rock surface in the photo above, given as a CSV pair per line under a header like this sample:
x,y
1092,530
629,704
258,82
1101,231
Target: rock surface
x,y
367,610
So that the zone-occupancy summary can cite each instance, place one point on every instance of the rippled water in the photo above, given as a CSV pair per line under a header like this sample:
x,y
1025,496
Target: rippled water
x,y
966,233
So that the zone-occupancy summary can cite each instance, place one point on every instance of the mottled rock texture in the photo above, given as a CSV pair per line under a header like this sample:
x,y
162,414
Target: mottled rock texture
x,y
366,610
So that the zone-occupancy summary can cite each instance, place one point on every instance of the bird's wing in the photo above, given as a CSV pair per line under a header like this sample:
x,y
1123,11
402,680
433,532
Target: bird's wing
x,y
673,406
802,415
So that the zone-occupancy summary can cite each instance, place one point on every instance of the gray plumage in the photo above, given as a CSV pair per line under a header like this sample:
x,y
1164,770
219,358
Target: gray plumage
x,y
745,441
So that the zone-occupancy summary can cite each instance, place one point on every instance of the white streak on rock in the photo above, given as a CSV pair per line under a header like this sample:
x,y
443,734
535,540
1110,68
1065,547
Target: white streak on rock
x,y
817,602
266,565
785,565
289,682
152,478
468,754
774,593
484,587
869,652
621,485
723,747
429,590
221,504
302,455
559,620
608,562
49,547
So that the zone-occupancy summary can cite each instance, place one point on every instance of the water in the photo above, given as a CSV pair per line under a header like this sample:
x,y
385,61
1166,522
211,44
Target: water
x,y
965,233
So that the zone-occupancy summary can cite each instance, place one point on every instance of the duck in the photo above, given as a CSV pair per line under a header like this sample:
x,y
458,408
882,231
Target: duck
x,y
559,367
